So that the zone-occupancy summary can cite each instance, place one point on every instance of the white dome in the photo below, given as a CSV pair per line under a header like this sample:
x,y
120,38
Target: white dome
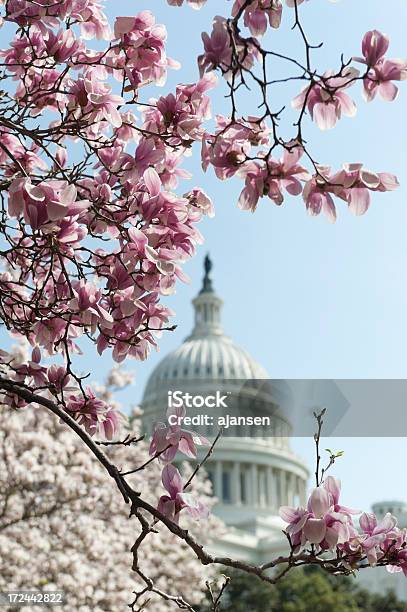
x,y
212,358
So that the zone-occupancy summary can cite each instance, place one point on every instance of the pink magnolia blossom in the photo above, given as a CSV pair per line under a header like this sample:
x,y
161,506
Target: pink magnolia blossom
x,y
381,72
228,149
374,47
94,414
40,90
288,172
141,54
376,538
324,522
172,504
88,302
380,79
317,196
22,157
198,198
270,180
352,184
357,182
62,45
258,13
218,51
170,438
59,378
195,4
94,99
326,101
181,114
32,369
333,486
88,13
43,203
20,52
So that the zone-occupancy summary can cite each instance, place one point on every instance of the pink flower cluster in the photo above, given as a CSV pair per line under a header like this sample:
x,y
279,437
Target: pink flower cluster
x,y
46,205
258,13
327,525
140,51
88,13
218,49
271,178
229,152
93,245
243,146
167,440
324,522
179,117
352,184
326,100
93,413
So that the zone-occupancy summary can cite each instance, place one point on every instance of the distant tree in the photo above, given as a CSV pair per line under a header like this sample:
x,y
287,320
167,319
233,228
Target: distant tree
x,y
388,602
305,589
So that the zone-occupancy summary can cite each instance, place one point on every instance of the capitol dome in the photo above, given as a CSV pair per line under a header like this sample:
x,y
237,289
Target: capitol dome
x,y
253,473
207,353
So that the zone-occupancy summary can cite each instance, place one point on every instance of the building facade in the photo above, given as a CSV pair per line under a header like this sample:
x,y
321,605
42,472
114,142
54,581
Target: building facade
x,y
252,475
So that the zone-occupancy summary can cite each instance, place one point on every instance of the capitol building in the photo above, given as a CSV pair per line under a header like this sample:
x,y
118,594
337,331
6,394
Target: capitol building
x,y
253,474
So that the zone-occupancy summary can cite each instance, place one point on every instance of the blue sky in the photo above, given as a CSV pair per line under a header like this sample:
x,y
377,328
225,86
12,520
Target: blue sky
x,y
308,299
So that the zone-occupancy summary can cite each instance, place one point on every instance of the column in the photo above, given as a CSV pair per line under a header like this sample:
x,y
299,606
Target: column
x,y
290,489
278,487
254,484
283,489
299,491
218,481
274,493
270,497
236,493
303,492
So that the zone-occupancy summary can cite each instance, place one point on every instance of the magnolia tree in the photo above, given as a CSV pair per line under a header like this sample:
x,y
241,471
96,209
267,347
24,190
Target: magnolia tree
x,y
95,231
62,526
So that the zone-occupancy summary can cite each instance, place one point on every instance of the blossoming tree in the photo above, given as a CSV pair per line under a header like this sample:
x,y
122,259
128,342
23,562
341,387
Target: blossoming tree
x,y
62,526
94,231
